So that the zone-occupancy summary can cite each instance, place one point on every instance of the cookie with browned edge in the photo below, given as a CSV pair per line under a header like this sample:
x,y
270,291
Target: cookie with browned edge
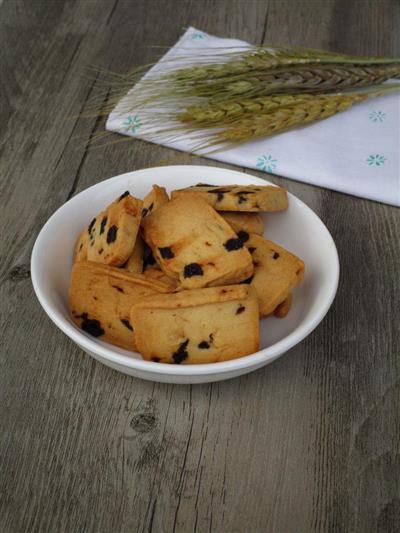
x,y
242,221
135,261
198,326
112,234
193,244
100,299
156,198
239,197
276,272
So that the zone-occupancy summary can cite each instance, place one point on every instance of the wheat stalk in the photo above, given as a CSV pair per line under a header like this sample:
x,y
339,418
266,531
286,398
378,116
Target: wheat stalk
x,y
242,95
219,126
263,58
228,112
303,78
243,121
284,118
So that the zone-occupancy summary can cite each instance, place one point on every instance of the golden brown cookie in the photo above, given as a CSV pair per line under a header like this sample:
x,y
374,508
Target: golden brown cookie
x,y
135,261
198,326
239,197
100,299
241,221
276,272
112,234
193,244
156,198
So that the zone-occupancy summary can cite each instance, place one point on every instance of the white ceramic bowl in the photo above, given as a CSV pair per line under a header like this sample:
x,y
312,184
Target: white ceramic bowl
x,y
298,229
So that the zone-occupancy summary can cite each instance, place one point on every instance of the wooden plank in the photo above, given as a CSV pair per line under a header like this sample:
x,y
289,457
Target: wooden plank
x,y
309,443
351,359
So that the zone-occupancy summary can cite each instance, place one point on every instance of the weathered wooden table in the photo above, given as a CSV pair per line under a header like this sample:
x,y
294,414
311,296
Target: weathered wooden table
x,y
309,443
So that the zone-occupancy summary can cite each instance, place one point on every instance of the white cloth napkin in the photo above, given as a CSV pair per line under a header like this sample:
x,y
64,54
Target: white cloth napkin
x,y
356,152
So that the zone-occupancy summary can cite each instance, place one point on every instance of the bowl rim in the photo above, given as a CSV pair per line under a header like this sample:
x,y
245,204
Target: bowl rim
x,y
262,356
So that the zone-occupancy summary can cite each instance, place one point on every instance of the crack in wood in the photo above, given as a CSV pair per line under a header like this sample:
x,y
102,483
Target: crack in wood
x,y
153,511
265,25
112,12
70,61
85,153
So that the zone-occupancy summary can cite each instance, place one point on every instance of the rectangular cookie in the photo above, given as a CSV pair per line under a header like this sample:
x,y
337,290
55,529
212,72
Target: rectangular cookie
x,y
156,198
100,299
242,221
193,244
276,273
112,234
198,326
239,197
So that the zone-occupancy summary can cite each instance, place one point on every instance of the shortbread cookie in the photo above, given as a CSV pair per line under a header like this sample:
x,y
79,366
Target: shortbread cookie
x,y
276,272
241,221
135,262
112,234
81,246
100,299
283,309
239,197
156,198
198,326
194,244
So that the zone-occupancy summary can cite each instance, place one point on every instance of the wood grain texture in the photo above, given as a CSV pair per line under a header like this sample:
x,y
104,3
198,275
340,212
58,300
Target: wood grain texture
x,y
309,443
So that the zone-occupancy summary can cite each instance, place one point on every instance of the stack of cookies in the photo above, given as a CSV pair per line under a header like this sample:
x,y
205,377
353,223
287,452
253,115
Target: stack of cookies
x,y
186,279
